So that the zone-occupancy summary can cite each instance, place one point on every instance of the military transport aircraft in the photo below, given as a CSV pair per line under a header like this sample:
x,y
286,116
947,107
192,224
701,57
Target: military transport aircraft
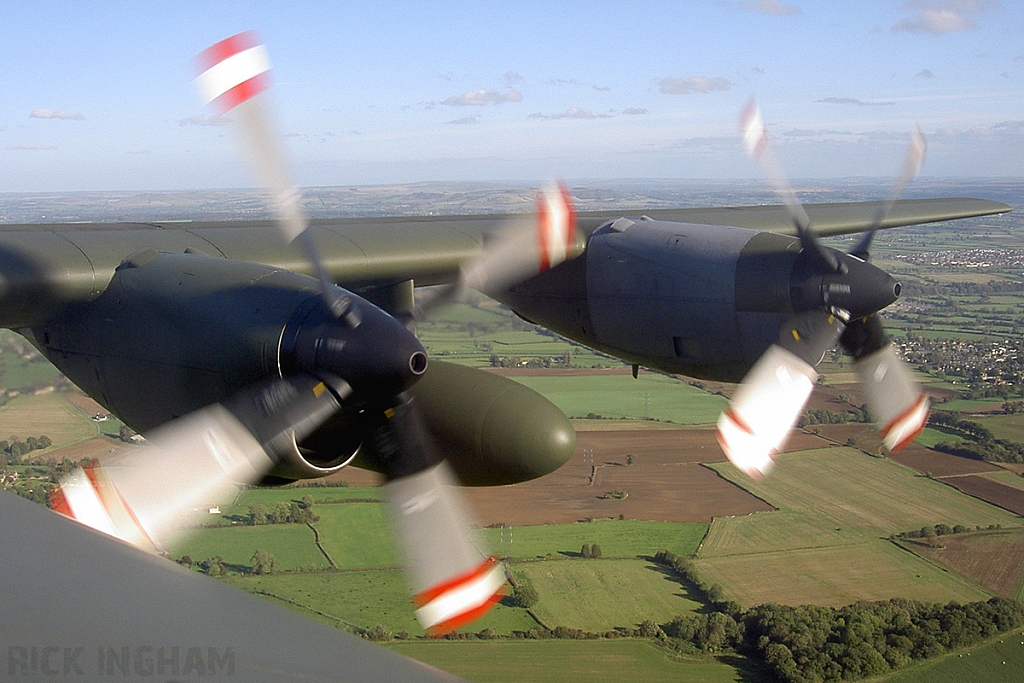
x,y
247,356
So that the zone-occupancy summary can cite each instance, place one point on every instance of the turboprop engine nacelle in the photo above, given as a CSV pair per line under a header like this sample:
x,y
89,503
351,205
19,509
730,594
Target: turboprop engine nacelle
x,y
175,332
700,300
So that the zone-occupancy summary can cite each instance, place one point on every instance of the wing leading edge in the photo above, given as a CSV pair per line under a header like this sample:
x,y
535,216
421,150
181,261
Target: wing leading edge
x,y
839,218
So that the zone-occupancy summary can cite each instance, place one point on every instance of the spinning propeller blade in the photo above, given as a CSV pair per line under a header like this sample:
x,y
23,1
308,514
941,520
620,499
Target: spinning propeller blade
x,y
198,459
233,75
768,402
912,163
523,248
894,399
426,507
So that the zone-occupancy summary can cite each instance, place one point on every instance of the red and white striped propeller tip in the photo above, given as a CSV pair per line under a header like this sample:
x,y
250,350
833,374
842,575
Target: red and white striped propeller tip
x,y
556,225
755,139
461,600
233,71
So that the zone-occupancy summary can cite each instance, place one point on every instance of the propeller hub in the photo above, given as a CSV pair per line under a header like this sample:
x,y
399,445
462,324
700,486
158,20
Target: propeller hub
x,y
378,358
857,286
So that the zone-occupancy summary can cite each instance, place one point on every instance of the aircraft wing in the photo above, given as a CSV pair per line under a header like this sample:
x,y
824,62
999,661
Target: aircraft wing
x,y
78,603
43,267
837,218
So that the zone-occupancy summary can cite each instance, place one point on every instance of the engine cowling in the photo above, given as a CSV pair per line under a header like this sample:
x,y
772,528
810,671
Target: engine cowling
x,y
173,333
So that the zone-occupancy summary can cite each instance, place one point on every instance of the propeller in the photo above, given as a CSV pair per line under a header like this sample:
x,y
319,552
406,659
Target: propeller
x,y
836,298
203,454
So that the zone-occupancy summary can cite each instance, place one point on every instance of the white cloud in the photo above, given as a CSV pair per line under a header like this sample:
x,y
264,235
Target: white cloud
x,y
702,84
634,111
464,120
62,114
571,113
855,101
937,17
771,7
31,147
200,120
510,78
481,98
924,73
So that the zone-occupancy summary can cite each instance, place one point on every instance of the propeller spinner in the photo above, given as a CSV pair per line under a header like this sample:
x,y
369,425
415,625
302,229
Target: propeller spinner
x,y
837,297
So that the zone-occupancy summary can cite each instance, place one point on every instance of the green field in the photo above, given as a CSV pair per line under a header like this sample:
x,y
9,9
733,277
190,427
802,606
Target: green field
x,y
617,538
577,593
21,366
836,575
1000,659
931,436
651,396
965,404
365,599
844,489
357,535
1010,427
292,544
825,545
572,661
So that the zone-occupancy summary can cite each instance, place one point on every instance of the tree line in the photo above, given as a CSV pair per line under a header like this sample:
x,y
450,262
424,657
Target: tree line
x,y
13,447
283,513
982,444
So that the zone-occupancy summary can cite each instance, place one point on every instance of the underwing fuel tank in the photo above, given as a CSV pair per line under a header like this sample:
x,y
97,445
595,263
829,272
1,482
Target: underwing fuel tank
x,y
491,430
700,300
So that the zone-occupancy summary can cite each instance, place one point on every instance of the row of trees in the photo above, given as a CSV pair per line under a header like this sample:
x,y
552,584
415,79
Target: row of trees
x,y
563,361
261,562
829,417
283,513
808,643
982,444
943,530
13,448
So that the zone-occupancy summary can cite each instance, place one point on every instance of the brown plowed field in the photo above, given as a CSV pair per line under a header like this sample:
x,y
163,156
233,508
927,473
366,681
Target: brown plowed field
x,y
993,492
85,403
994,560
101,447
665,483
940,464
651,447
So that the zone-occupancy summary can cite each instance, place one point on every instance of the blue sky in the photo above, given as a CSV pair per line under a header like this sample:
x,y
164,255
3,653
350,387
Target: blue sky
x,y
99,95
